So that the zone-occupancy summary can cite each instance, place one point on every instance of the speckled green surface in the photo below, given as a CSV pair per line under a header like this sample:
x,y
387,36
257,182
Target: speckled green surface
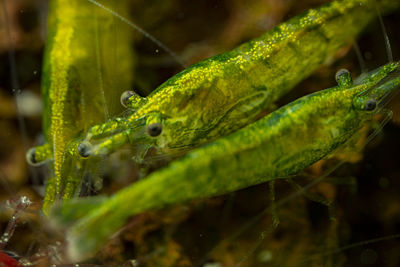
x,y
220,230
78,85
277,146
219,95
202,103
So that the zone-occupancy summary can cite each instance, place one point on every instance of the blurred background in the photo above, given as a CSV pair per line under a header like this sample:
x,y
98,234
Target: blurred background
x,y
359,228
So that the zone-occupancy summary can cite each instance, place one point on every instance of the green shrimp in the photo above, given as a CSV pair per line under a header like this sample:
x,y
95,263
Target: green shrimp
x,y
78,84
202,103
224,93
266,150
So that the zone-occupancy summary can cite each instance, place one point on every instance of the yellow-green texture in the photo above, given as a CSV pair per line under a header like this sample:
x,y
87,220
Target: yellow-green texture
x,y
277,146
88,62
219,95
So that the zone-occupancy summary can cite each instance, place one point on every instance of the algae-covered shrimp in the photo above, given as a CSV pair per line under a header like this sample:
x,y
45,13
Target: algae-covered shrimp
x,y
219,95
216,96
266,150
78,84
224,93
236,211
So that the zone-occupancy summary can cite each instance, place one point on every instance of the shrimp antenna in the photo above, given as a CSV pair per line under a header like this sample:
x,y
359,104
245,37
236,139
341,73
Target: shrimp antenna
x,y
385,35
353,245
142,31
390,76
360,58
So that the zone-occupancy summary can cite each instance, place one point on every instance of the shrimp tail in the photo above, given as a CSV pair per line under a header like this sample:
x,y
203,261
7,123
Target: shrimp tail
x,y
73,209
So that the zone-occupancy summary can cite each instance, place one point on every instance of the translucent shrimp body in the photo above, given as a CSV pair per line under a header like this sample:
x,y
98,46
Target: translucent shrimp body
x,y
222,94
202,103
83,55
266,150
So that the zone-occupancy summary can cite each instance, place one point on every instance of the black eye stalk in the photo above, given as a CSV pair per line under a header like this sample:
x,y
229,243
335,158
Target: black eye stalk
x,y
343,78
125,97
370,105
154,129
30,157
84,149
131,100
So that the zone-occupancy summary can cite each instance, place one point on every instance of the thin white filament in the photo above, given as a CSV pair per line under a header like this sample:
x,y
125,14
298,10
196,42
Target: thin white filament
x,y
142,31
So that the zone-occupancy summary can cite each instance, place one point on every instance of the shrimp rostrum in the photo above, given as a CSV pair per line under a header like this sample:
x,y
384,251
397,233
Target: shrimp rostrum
x,y
266,150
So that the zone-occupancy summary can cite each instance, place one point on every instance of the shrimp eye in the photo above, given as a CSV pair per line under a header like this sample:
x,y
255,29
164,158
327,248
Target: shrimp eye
x,y
125,97
370,105
84,149
30,157
154,129
343,78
